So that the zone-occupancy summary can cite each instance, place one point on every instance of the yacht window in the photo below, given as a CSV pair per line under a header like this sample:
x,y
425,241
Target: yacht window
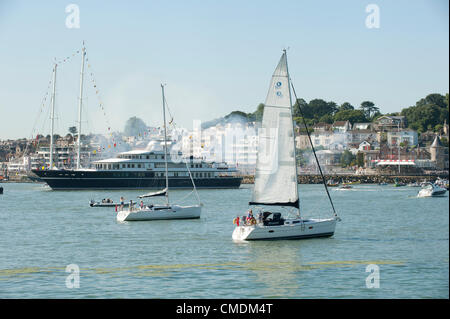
x,y
132,165
139,165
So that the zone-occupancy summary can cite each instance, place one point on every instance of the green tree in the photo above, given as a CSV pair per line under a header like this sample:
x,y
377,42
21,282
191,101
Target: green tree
x,y
346,158
425,116
346,106
301,106
369,109
353,116
259,112
319,108
327,118
360,159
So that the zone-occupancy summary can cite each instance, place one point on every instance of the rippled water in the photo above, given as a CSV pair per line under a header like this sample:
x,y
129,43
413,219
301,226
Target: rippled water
x,y
43,231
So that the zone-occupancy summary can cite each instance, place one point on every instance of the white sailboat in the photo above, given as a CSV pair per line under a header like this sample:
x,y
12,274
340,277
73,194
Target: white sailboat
x,y
276,173
167,211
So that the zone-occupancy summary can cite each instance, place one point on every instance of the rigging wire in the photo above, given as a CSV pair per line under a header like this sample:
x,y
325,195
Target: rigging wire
x,y
43,103
314,151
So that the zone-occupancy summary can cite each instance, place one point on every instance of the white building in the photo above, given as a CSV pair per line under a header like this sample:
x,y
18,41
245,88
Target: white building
x,y
234,143
22,164
409,137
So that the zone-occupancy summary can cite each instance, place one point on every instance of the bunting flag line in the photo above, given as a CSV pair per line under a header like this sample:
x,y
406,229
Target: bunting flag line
x,y
100,103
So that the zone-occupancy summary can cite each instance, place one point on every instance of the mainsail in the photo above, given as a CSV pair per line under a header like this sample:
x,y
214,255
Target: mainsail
x,y
276,172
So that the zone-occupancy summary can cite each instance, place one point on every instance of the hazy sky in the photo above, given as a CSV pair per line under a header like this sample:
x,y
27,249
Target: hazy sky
x,y
214,56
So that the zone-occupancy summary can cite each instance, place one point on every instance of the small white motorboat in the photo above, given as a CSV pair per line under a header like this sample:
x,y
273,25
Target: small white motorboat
x,y
431,190
345,187
106,203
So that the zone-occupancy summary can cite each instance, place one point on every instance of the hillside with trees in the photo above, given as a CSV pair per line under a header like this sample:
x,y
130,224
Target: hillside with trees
x,y
428,114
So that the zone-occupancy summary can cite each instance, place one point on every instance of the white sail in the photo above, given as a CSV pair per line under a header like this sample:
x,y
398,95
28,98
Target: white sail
x,y
276,173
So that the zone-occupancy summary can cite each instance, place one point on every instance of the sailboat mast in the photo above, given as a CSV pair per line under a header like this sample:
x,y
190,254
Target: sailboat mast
x,y
165,143
52,116
293,129
80,103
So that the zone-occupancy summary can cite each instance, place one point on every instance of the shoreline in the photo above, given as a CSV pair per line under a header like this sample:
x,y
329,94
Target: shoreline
x,y
363,179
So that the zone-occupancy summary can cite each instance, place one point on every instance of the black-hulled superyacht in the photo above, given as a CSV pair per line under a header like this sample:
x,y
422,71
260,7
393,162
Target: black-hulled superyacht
x,y
142,169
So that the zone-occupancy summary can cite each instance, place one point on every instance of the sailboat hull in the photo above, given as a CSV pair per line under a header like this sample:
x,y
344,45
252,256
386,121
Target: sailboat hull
x,y
160,213
293,229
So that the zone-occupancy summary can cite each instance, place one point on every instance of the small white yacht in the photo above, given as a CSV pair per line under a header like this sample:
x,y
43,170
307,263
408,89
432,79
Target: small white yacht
x,y
167,211
431,190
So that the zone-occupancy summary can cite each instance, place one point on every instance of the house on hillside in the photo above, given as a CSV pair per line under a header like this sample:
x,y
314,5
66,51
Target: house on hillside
x,y
322,127
408,137
362,127
388,122
341,126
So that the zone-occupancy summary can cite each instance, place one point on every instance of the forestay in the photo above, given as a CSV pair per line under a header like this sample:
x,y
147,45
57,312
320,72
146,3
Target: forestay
x,y
276,174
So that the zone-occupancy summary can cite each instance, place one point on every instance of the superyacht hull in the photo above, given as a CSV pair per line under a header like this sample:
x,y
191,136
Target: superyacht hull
x,y
78,180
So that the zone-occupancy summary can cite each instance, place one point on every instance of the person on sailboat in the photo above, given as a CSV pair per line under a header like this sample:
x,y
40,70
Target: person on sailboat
x,y
250,218
121,202
141,204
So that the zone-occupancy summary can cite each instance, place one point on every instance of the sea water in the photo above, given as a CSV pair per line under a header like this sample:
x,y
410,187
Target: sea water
x,y
389,244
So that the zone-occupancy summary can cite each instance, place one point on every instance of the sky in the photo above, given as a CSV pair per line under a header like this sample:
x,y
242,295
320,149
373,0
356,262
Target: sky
x,y
214,57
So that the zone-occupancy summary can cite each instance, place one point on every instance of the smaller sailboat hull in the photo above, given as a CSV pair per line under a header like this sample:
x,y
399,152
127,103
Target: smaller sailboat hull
x,y
291,229
160,213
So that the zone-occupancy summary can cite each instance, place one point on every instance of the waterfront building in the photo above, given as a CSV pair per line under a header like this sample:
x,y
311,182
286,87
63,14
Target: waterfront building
x,y
63,157
19,165
328,157
302,141
405,136
233,143
439,154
